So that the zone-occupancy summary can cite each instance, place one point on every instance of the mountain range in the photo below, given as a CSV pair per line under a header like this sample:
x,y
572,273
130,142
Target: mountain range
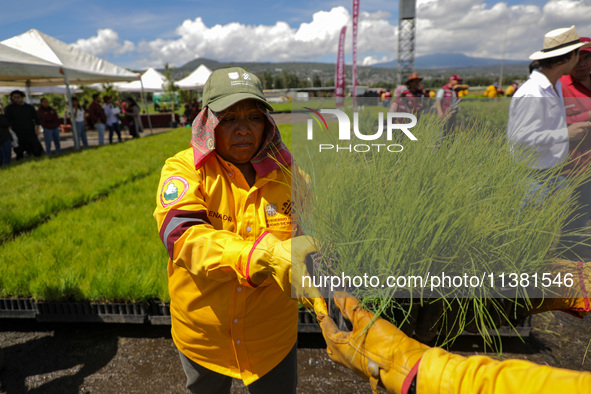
x,y
434,66
452,60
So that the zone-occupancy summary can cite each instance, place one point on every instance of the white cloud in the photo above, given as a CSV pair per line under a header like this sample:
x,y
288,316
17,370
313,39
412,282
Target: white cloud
x,y
106,40
472,27
278,42
236,41
371,60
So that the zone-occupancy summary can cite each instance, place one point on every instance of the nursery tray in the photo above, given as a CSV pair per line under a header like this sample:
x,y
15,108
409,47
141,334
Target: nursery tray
x,y
91,312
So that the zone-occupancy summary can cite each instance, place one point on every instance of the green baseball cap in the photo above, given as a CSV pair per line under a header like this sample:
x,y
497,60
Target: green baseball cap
x,y
227,86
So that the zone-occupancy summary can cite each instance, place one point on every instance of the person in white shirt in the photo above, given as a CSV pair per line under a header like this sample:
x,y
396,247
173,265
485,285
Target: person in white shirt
x,y
112,120
537,118
79,118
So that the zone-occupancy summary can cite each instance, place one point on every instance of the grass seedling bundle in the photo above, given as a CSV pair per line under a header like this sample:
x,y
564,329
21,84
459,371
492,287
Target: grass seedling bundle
x,y
456,207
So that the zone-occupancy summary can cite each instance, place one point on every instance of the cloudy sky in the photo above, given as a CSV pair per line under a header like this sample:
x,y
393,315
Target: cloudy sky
x,y
138,34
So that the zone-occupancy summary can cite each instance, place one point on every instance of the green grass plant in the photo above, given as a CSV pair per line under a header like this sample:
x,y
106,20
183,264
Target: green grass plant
x,y
455,207
108,250
36,190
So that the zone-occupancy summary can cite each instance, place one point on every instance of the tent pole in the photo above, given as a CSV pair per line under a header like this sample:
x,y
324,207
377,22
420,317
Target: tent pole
x,y
146,106
72,120
28,91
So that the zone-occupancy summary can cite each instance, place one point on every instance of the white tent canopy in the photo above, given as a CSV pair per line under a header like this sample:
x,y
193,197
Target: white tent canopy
x,y
57,89
53,62
152,80
78,66
16,67
195,80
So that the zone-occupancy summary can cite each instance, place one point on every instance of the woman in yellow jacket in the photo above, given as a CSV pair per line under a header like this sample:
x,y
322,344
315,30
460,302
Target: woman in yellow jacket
x,y
224,216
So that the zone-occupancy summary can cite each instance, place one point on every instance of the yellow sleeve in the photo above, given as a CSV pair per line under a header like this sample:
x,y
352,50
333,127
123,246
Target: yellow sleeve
x,y
443,372
186,231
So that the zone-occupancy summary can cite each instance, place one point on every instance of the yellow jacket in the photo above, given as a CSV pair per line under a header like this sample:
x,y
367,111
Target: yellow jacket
x,y
491,91
208,220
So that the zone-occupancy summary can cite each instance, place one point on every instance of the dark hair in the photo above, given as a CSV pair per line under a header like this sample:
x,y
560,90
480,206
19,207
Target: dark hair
x,y
94,96
557,60
19,92
131,100
534,66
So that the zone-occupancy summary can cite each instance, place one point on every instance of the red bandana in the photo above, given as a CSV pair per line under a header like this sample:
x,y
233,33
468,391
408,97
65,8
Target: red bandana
x,y
271,156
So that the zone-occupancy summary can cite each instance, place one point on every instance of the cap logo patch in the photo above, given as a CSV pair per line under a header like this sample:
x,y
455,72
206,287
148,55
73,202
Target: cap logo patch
x,y
246,76
173,189
233,75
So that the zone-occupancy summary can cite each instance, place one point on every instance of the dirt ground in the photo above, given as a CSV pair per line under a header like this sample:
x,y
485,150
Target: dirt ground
x,y
110,358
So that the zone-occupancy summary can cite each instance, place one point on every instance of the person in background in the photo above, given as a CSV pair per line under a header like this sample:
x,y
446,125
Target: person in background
x,y
387,98
537,118
411,98
112,112
510,91
492,90
133,111
97,117
576,90
126,118
50,122
5,139
24,120
446,103
79,118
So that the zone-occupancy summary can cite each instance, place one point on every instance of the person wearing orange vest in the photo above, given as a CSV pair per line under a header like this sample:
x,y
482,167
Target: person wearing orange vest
x,y
224,214
576,90
411,98
446,103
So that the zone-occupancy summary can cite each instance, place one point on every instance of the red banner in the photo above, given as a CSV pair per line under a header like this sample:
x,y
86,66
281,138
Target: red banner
x,y
339,91
355,19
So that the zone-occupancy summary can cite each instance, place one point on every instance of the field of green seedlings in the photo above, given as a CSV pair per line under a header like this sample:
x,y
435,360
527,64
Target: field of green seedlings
x,y
80,226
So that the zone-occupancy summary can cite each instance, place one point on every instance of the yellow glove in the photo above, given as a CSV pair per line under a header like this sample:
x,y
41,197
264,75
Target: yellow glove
x,y
378,352
285,263
384,355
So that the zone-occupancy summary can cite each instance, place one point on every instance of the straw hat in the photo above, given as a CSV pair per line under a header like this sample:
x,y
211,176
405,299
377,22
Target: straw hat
x,y
559,42
412,77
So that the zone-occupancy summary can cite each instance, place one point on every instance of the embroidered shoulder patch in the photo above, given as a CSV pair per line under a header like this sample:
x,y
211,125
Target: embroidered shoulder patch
x,y
173,189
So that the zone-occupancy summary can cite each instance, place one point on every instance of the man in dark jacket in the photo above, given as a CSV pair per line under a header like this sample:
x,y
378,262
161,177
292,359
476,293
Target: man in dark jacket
x,y
5,139
50,122
98,117
24,120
